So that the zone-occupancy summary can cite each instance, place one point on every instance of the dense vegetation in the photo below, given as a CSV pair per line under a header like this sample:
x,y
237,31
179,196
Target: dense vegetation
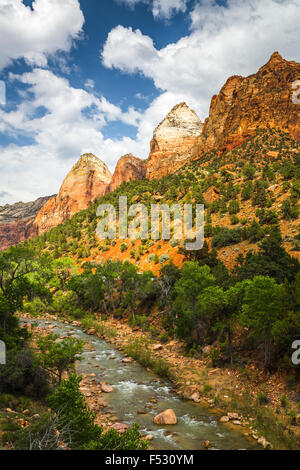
x,y
250,312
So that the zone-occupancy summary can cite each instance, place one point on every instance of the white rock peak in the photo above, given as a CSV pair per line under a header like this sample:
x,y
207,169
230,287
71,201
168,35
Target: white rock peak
x,y
180,122
88,161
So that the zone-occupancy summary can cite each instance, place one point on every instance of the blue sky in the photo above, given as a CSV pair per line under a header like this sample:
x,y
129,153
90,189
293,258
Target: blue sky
x,y
98,76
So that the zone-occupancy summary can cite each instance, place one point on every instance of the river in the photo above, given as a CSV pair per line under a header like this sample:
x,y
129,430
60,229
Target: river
x,y
136,389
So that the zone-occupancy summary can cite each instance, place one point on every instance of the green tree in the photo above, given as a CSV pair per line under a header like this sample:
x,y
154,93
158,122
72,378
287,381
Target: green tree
x,y
194,279
220,307
59,356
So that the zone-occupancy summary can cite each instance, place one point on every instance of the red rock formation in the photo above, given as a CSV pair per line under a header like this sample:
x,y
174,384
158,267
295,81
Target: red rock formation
x,y
258,101
128,168
16,221
87,181
173,141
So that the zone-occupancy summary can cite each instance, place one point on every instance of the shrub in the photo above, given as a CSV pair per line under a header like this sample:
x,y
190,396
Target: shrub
x,y
234,220
249,172
123,247
226,237
234,207
289,211
262,398
23,375
174,243
163,259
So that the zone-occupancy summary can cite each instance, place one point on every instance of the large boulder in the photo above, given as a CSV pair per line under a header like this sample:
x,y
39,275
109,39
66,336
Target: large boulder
x,y
166,417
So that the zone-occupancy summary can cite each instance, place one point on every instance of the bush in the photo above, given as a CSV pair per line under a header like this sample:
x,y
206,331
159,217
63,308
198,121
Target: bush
x,y
226,237
262,398
73,412
36,307
234,207
23,375
289,211
123,247
112,440
163,259
234,220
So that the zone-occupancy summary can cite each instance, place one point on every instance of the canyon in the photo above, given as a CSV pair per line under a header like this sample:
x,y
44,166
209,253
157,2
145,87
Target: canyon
x,y
244,104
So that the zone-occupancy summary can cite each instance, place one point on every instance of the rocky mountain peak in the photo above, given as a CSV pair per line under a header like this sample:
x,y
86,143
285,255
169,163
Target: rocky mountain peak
x,y
128,168
89,162
88,180
173,140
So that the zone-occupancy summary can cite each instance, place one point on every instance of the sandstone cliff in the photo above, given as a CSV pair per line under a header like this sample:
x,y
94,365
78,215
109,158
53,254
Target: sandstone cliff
x,y
260,100
16,221
87,181
128,168
172,141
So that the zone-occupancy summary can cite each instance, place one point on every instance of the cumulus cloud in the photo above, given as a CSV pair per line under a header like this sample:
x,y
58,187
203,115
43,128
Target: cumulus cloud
x,y
224,40
34,33
161,9
64,123
166,8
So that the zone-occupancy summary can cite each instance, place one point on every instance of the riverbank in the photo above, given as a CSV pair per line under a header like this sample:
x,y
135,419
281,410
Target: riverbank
x,y
136,395
227,392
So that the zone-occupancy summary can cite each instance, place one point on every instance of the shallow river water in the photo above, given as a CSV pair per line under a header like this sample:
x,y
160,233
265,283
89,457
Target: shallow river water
x,y
135,387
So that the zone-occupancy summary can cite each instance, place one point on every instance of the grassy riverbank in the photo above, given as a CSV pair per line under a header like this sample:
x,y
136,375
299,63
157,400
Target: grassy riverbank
x,y
223,391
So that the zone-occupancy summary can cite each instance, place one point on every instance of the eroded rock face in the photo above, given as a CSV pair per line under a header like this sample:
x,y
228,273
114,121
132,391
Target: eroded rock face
x,y
16,221
128,168
173,141
258,101
87,181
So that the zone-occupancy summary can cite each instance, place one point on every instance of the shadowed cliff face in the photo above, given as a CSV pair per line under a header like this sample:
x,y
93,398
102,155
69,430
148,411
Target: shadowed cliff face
x,y
260,100
16,221
128,168
172,141
87,181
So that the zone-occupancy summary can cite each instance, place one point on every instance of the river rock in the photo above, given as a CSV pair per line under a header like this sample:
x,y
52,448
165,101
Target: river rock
x,y
157,347
149,437
207,350
224,419
106,388
120,427
263,441
207,444
127,360
195,397
166,417
91,331
233,416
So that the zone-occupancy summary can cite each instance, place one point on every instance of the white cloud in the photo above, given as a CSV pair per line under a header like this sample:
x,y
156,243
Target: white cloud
x,y
64,122
167,8
224,41
138,55
33,34
161,9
